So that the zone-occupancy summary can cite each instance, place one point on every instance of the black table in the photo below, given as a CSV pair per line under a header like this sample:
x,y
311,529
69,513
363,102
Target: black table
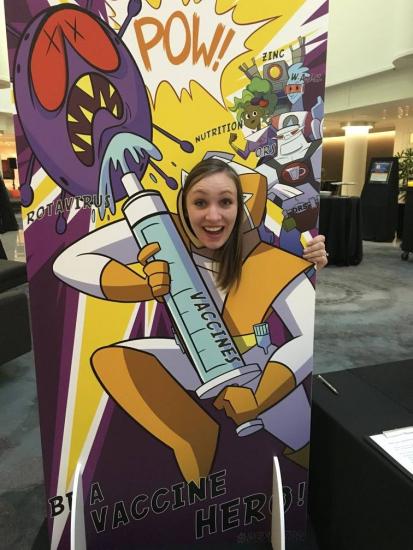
x,y
340,222
3,255
359,500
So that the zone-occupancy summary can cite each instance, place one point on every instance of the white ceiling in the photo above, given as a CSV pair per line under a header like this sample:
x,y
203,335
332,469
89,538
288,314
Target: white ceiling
x,y
383,115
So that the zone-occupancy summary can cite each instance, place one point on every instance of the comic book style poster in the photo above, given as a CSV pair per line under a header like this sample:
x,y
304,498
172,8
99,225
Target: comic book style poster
x,y
170,411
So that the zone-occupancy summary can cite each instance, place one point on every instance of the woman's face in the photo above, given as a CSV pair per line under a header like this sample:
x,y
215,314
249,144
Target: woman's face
x,y
211,204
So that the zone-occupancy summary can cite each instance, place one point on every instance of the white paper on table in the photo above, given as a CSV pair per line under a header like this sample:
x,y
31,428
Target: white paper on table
x,y
398,444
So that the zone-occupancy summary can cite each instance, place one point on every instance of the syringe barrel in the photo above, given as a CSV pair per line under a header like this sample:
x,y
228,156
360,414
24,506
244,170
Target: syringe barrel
x,y
195,315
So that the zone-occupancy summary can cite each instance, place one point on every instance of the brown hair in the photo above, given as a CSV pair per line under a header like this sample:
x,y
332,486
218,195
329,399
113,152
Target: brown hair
x,y
229,257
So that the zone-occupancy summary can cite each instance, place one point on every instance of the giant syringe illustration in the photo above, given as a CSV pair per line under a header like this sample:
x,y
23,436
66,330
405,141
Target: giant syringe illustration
x,y
199,324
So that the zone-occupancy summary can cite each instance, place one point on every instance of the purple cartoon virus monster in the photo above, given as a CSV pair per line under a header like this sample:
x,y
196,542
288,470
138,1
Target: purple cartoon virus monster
x,y
77,87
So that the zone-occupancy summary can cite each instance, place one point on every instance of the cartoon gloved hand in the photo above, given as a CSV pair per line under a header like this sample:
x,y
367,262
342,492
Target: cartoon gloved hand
x,y
156,271
239,403
243,405
232,137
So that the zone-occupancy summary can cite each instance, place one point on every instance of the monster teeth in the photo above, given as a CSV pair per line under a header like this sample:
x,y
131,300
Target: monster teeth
x,y
85,84
77,149
115,111
87,113
111,90
102,101
87,138
71,118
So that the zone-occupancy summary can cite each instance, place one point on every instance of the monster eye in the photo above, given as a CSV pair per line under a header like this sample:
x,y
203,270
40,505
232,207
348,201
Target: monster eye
x,y
48,63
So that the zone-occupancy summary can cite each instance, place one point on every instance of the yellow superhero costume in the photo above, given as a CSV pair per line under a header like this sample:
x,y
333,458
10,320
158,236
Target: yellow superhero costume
x,y
149,378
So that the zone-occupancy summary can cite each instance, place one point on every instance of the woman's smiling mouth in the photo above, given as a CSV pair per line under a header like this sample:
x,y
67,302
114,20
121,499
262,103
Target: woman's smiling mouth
x,y
214,230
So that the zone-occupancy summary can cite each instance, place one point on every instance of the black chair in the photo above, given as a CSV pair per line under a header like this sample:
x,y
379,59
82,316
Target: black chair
x,y
8,220
15,335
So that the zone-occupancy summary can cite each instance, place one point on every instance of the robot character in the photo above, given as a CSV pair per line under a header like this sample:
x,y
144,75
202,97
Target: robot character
x,y
293,176
81,87
287,81
145,376
294,89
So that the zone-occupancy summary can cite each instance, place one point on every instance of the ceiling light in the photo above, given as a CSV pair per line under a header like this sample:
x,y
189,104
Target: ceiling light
x,y
357,128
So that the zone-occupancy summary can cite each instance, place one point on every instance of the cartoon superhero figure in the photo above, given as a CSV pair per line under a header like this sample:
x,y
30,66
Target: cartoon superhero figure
x,y
257,104
294,88
145,376
284,84
287,81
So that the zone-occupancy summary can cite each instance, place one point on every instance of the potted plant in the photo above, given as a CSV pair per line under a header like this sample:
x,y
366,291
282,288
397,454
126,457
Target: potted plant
x,y
405,166
405,176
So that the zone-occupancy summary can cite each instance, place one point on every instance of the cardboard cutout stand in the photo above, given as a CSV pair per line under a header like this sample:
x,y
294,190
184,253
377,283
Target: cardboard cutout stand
x,y
166,417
